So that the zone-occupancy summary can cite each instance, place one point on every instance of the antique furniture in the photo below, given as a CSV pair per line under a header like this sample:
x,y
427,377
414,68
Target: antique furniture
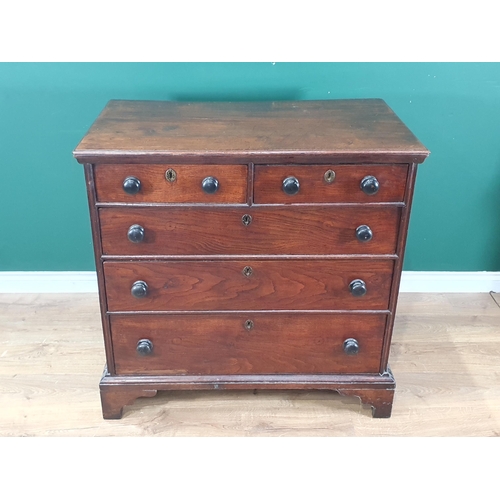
x,y
249,245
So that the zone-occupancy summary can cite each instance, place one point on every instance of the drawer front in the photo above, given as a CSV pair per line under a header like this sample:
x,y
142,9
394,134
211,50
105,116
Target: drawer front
x,y
248,285
171,183
270,231
218,344
329,184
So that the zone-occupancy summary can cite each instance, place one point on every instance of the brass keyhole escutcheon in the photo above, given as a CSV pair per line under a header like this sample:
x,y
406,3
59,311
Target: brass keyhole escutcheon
x,y
329,176
246,220
247,271
170,175
248,324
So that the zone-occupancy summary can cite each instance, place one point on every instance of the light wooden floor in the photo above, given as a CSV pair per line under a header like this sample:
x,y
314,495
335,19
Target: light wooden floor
x,y
445,358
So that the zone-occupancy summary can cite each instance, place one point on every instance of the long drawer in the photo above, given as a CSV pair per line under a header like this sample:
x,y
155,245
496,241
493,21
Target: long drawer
x,y
292,230
272,343
248,285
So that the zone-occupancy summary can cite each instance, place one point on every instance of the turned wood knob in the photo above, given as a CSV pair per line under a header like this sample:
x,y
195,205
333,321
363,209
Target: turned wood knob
x,y
364,233
291,185
139,289
351,347
144,347
210,185
357,288
135,233
131,185
369,185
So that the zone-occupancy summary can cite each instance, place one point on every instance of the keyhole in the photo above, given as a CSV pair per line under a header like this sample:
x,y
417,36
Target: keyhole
x,y
170,175
329,176
247,271
248,324
246,219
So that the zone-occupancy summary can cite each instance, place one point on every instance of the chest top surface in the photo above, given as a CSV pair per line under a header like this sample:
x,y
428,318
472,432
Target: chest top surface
x,y
269,131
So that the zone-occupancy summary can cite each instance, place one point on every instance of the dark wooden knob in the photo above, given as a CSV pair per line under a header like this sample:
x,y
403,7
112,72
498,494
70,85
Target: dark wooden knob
x,y
131,185
210,185
291,185
135,233
139,289
364,233
351,347
144,347
369,185
357,288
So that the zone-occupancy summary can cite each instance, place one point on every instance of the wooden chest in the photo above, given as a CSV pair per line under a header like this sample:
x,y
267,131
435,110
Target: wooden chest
x,y
251,245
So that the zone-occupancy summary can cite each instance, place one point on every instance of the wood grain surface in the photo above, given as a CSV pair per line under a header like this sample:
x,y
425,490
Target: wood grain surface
x,y
272,284
445,356
186,188
316,230
314,189
252,131
218,344
97,246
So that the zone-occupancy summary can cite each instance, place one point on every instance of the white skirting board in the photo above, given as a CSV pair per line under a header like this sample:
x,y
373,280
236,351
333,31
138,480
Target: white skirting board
x,y
450,282
411,281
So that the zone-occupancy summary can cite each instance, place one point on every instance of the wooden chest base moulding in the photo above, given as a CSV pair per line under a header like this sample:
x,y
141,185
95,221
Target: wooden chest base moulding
x,y
250,245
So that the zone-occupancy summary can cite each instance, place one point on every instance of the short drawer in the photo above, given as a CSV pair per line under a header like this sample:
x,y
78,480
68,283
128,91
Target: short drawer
x,y
252,230
249,284
171,183
329,184
252,343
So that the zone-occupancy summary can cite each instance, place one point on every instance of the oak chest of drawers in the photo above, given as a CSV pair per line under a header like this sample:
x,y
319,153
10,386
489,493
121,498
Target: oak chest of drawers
x,y
249,245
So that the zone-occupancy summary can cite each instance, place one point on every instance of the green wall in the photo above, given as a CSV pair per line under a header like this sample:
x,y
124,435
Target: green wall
x,y
454,109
